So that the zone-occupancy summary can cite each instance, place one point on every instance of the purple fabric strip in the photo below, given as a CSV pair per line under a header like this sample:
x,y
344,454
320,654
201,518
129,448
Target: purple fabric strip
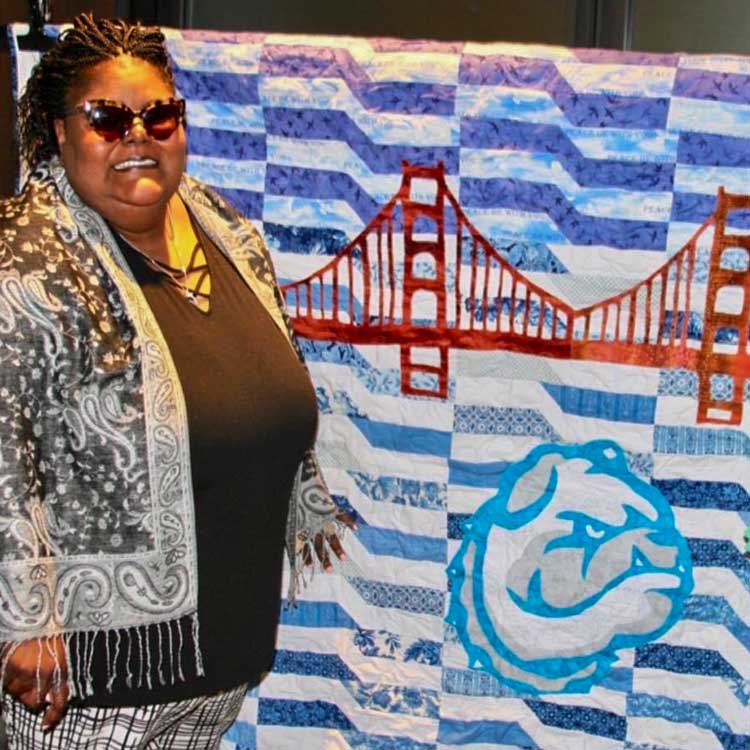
x,y
712,85
405,97
582,110
515,135
227,37
618,57
331,125
709,150
416,45
549,200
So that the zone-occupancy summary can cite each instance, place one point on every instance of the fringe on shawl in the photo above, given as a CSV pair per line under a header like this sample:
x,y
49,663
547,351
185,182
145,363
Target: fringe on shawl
x,y
301,570
300,542
131,659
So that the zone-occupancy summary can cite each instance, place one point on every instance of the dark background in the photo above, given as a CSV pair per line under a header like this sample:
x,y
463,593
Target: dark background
x,y
652,25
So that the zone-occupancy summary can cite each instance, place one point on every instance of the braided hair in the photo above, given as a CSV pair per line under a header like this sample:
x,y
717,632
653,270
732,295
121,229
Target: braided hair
x,y
88,43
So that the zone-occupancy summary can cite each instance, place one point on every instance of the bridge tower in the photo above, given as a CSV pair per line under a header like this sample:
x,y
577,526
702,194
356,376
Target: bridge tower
x,y
424,355
728,308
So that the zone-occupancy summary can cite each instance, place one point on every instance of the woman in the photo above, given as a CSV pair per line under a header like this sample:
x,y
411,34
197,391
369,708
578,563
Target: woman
x,y
141,560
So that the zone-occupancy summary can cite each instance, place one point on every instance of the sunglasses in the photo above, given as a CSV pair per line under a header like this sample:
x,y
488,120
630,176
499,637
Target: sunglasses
x,y
113,120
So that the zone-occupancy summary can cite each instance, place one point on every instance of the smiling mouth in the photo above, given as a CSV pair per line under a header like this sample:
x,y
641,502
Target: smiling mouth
x,y
144,163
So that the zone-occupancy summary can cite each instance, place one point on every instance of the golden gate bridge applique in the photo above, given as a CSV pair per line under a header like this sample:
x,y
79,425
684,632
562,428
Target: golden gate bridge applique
x,y
375,289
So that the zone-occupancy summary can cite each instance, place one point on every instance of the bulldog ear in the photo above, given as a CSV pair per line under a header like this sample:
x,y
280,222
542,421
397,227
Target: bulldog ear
x,y
531,486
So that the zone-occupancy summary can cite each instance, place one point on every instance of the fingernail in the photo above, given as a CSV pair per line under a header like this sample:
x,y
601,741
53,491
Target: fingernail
x,y
48,697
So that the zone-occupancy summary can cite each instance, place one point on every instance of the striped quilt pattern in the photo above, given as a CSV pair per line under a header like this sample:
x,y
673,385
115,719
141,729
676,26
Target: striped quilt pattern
x,y
588,169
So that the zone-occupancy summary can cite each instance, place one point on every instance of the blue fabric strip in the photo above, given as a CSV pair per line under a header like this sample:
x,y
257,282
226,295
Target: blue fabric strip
x,y
700,441
403,438
579,228
418,599
248,202
278,712
402,97
228,144
488,732
685,660
686,493
717,553
697,207
718,610
381,541
552,140
616,407
310,614
455,525
321,184
616,57
237,88
322,124
304,240
590,720
712,85
312,663
582,110
471,474
712,150
691,712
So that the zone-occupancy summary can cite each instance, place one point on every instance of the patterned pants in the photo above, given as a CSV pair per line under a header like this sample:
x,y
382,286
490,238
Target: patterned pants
x,y
195,724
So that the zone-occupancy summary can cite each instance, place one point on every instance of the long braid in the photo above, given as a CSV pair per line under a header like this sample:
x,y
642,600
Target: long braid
x,y
88,43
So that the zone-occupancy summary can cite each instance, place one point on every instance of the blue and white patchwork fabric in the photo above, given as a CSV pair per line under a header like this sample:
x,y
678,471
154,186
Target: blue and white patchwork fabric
x,y
551,556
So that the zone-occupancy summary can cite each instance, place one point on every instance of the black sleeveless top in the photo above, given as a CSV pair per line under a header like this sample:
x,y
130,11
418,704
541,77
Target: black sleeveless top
x,y
251,413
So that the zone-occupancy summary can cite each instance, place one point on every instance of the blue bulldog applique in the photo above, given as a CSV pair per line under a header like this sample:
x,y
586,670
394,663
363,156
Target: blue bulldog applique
x,y
574,558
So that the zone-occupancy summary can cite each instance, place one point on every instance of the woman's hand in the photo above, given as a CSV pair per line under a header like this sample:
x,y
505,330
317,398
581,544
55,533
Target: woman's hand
x,y
36,674
329,539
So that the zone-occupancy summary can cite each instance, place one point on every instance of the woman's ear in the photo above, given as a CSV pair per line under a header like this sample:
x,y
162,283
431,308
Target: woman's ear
x,y
60,132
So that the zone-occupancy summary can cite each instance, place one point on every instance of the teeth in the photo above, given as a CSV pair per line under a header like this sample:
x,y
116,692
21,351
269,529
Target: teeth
x,y
130,163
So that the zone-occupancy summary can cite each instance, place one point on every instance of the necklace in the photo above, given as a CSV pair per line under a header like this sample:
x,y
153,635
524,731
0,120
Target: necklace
x,y
192,280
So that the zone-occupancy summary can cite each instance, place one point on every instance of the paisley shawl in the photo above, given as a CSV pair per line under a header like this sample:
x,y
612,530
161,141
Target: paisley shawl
x,y
96,503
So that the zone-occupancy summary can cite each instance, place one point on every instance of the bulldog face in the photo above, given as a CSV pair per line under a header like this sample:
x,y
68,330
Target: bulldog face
x,y
574,558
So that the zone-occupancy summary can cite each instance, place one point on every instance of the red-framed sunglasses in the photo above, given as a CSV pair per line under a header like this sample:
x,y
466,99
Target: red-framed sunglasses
x,y
114,120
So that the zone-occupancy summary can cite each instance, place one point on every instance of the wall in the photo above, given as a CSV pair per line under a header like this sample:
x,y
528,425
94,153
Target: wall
x,y
653,25
695,26
551,21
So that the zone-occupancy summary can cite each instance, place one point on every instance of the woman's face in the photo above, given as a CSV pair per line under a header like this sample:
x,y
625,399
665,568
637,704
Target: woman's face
x,y
128,181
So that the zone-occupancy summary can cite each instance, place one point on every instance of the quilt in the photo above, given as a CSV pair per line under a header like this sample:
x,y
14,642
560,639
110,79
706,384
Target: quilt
x,y
521,277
